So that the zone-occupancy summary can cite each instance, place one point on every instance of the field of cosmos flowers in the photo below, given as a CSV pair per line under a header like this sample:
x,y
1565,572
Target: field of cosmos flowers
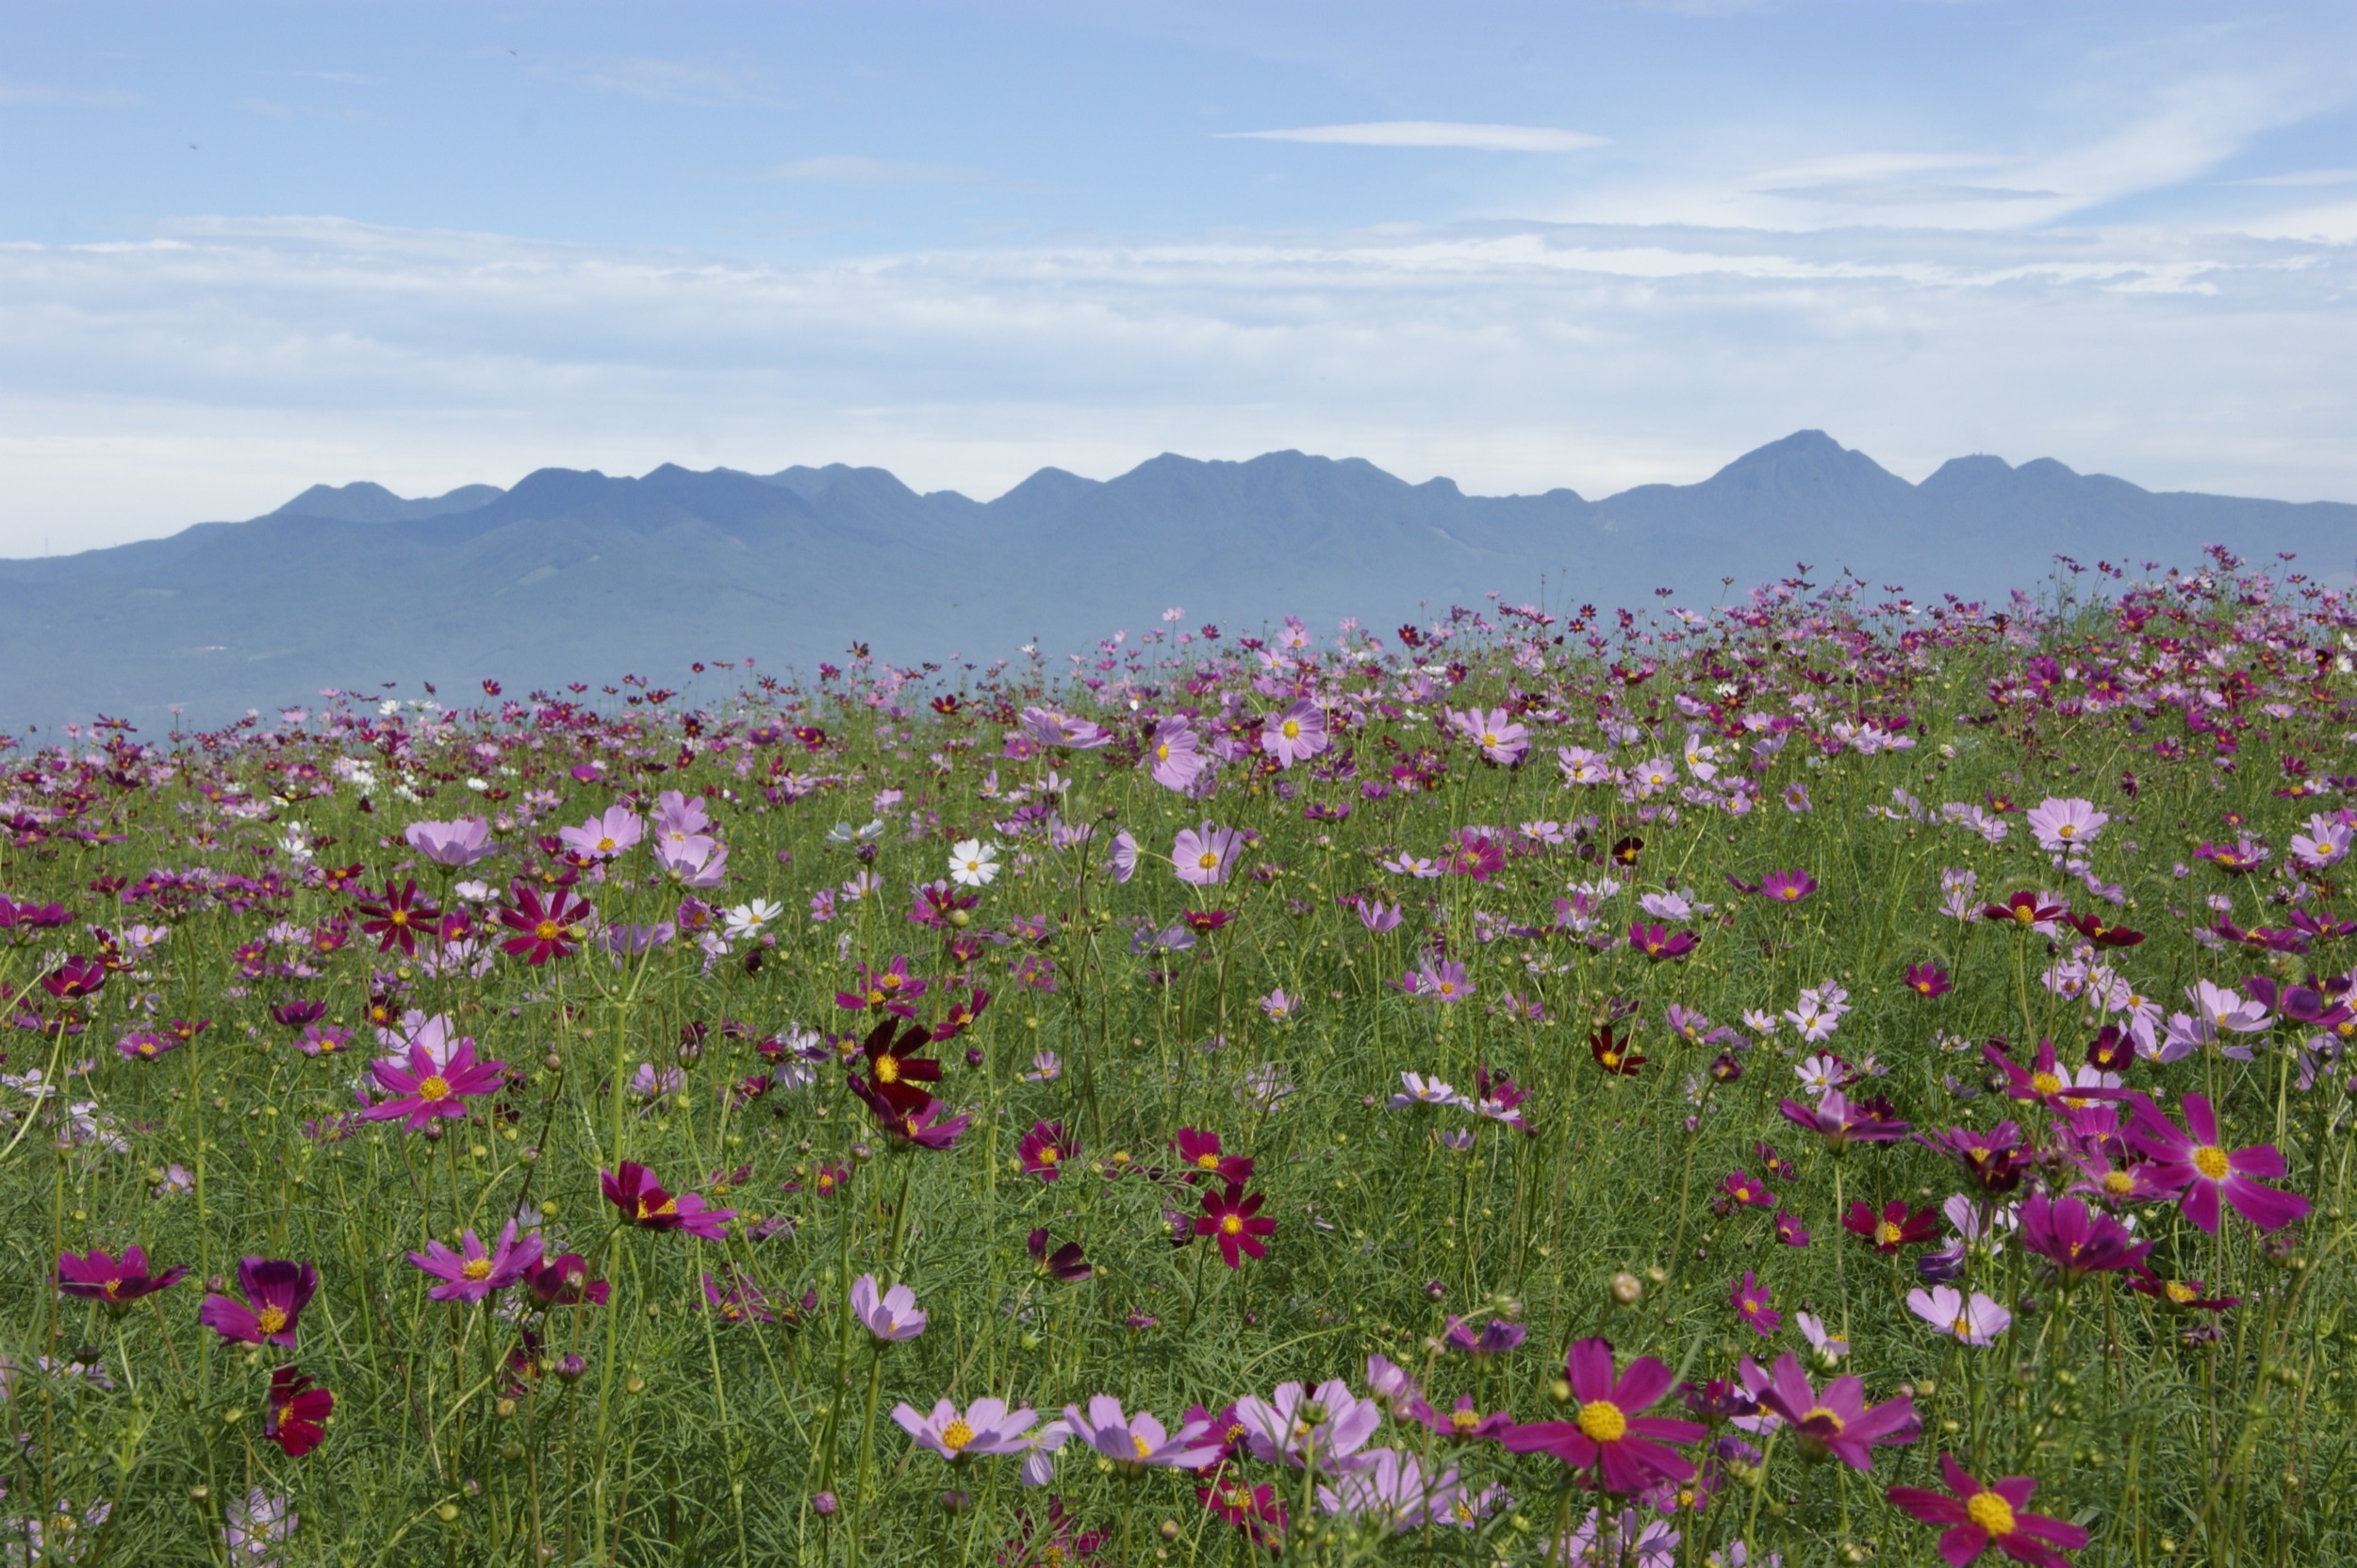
x,y
1826,1078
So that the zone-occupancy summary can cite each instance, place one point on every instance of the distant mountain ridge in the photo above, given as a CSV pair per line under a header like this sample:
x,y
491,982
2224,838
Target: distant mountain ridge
x,y
575,574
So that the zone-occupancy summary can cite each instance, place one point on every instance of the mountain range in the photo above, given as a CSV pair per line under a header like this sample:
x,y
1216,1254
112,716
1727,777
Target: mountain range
x,y
576,575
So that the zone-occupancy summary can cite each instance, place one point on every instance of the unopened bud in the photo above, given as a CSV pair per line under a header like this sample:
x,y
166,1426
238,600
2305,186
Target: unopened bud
x,y
1168,1529
955,1501
1627,1289
1560,1391
571,1368
823,1504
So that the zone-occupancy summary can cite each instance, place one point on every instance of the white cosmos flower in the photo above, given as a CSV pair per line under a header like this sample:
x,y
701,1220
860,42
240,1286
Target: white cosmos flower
x,y
745,920
973,863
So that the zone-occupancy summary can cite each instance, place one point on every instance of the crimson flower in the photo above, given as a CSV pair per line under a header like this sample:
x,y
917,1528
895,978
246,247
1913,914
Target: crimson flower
x,y
1233,1217
891,1049
2183,1294
2094,930
396,916
1065,1262
77,978
909,1114
1893,1229
276,1292
1200,1153
564,1281
2024,909
1990,1159
1613,1053
296,1013
95,1276
1609,1434
2192,1163
294,1411
1790,1230
1928,979
1980,1518
644,1203
1838,1421
426,1089
1658,942
1044,1149
544,929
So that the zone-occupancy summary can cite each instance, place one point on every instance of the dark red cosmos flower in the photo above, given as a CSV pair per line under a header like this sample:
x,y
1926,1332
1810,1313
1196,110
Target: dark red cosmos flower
x,y
890,989
397,917
1611,1052
2094,930
1625,851
1043,1151
1200,1153
95,1276
1658,942
297,1013
1928,979
1787,886
965,1005
890,1048
1205,921
1893,1229
77,978
1980,1518
644,1203
2183,1294
1776,1165
1789,1229
2024,909
276,1292
564,1281
1992,1159
1257,1510
545,929
2112,1050
909,1113
293,1415
1065,1262
1232,1217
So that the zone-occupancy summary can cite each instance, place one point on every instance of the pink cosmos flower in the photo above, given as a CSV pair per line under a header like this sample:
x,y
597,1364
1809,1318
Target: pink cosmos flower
x,y
2062,824
1135,1442
425,1089
986,1427
1502,740
1838,1421
1294,1424
459,843
1609,1430
1976,1322
1980,1518
1441,981
474,1272
890,1315
276,1292
2192,1162
604,837
1294,735
1204,856
1173,756
1753,1304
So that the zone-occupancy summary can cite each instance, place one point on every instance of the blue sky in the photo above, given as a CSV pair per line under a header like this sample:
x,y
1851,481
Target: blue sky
x,y
246,247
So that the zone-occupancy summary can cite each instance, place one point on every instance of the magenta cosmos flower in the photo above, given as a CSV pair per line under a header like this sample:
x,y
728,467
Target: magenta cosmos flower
x,y
1233,1218
1985,1516
644,1203
1842,1123
545,929
475,1272
1294,735
1135,1442
604,837
294,1415
1043,1151
459,843
1609,1433
2192,1160
276,1292
425,1089
95,1276
1204,856
1787,888
1658,941
2078,1240
1838,1421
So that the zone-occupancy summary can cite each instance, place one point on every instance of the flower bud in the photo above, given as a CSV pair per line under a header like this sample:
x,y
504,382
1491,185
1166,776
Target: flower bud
x,y
571,1368
1626,1288
1560,1391
955,1501
823,1504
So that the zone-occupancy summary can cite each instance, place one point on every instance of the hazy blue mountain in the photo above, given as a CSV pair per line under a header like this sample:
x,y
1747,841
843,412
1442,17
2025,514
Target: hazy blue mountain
x,y
574,575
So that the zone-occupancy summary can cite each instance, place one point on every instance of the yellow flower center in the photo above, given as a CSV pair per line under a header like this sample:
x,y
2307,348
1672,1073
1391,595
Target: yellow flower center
x,y
110,1289
1603,1421
669,1206
2210,1161
477,1268
1047,1156
887,1069
956,1435
1140,1444
1488,738
1822,1414
1207,1160
436,1087
147,1047
1464,1421
1207,860
1992,1513
1293,729
1962,1327
2045,1083
270,1320
2065,830
1231,1225
1611,1059
1886,1234
547,930
2119,1183
1051,1556
2179,1291
605,846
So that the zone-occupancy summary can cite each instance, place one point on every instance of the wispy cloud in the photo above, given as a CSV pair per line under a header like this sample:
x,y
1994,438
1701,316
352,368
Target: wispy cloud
x,y
42,93
2306,176
1432,133
694,84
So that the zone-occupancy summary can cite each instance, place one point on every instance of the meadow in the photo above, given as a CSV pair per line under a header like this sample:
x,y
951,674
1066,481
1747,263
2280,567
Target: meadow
x,y
1821,1078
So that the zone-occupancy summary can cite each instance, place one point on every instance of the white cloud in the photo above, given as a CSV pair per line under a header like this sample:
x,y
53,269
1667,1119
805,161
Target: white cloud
x,y
221,366
2307,176
694,84
1432,133
41,92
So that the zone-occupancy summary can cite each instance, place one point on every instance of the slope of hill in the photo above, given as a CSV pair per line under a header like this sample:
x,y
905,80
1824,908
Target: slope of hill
x,y
576,575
